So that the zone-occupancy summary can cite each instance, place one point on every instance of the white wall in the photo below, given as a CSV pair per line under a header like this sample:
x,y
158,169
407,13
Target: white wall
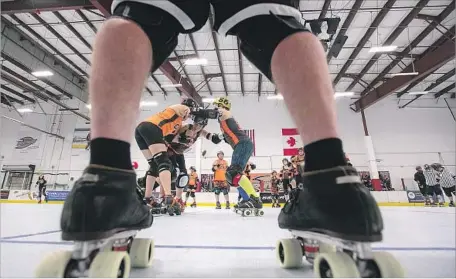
x,y
403,138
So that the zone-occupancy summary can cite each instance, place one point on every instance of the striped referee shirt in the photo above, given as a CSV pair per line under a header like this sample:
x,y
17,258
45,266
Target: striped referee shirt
x,y
431,177
447,179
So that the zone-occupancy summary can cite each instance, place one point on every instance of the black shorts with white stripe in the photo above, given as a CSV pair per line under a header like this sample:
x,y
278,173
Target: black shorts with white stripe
x,y
193,14
449,191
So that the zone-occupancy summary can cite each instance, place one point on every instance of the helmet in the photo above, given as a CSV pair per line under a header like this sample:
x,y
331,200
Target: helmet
x,y
220,152
189,103
192,168
200,120
223,102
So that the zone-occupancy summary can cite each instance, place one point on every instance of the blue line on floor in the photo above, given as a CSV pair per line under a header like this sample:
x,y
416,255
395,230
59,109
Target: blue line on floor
x,y
209,247
29,235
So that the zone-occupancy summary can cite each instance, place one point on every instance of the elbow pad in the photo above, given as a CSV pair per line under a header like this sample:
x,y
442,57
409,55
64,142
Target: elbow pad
x,y
253,166
215,138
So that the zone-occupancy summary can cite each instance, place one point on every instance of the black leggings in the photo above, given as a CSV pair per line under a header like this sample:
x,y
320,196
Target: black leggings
x,y
42,191
286,185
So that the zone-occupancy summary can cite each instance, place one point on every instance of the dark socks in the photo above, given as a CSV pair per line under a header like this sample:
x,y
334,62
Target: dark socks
x,y
110,153
324,154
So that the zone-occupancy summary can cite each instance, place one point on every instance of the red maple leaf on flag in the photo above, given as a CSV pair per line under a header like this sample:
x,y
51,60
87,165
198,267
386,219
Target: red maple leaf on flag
x,y
291,141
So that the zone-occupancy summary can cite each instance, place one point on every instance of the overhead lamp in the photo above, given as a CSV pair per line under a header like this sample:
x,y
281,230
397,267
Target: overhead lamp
x,y
89,106
343,94
404,74
417,92
208,100
24,110
383,49
196,61
42,73
275,97
148,104
172,85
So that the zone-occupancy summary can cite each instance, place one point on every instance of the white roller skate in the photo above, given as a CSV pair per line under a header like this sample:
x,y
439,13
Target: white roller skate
x,y
333,222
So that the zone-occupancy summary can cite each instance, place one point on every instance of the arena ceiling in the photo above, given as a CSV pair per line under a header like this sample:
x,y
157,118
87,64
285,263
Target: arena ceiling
x,y
57,36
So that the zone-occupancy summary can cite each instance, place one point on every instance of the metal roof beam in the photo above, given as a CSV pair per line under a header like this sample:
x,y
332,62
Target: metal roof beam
x,y
31,6
391,38
324,9
424,66
18,48
411,46
445,90
192,41
378,19
217,52
343,30
167,68
241,66
12,91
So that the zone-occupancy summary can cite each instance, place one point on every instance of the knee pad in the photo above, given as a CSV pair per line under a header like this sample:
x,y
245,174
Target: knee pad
x,y
163,162
217,191
161,28
152,171
233,174
182,181
192,194
259,48
225,191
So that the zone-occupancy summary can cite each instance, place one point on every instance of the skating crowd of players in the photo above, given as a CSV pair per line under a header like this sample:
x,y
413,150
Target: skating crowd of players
x,y
432,180
163,141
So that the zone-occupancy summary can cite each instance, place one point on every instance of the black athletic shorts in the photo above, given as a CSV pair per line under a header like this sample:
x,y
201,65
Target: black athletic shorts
x,y
147,134
193,14
449,190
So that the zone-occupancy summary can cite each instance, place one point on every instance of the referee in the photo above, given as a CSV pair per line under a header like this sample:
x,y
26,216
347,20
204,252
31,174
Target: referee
x,y
432,181
448,183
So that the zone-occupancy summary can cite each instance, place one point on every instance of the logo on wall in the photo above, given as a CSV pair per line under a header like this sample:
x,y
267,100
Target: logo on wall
x,y
26,142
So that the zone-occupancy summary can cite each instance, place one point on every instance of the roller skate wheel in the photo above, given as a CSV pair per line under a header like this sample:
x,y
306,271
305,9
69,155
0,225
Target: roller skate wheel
x,y
247,213
108,264
335,265
142,252
388,265
289,253
260,213
53,265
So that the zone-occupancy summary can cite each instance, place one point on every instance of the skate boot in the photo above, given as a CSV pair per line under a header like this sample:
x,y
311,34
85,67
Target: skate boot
x,y
227,205
451,204
171,205
251,207
181,203
441,204
218,205
102,215
193,204
336,215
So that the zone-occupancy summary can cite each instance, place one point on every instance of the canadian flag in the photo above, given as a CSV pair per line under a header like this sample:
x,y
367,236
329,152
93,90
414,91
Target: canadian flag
x,y
291,141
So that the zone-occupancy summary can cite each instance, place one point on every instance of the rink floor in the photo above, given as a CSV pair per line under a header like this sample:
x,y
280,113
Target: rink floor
x,y
205,242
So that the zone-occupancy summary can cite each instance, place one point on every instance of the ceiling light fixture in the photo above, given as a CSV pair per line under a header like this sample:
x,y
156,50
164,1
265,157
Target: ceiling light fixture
x,y
343,94
275,97
42,73
23,110
383,49
404,74
196,61
172,85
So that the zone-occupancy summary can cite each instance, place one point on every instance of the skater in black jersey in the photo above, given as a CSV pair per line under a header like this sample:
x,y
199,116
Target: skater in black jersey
x,y
41,183
286,175
275,182
139,38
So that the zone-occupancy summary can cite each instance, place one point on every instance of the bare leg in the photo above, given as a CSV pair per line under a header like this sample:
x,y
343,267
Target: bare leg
x,y
122,59
301,73
150,182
